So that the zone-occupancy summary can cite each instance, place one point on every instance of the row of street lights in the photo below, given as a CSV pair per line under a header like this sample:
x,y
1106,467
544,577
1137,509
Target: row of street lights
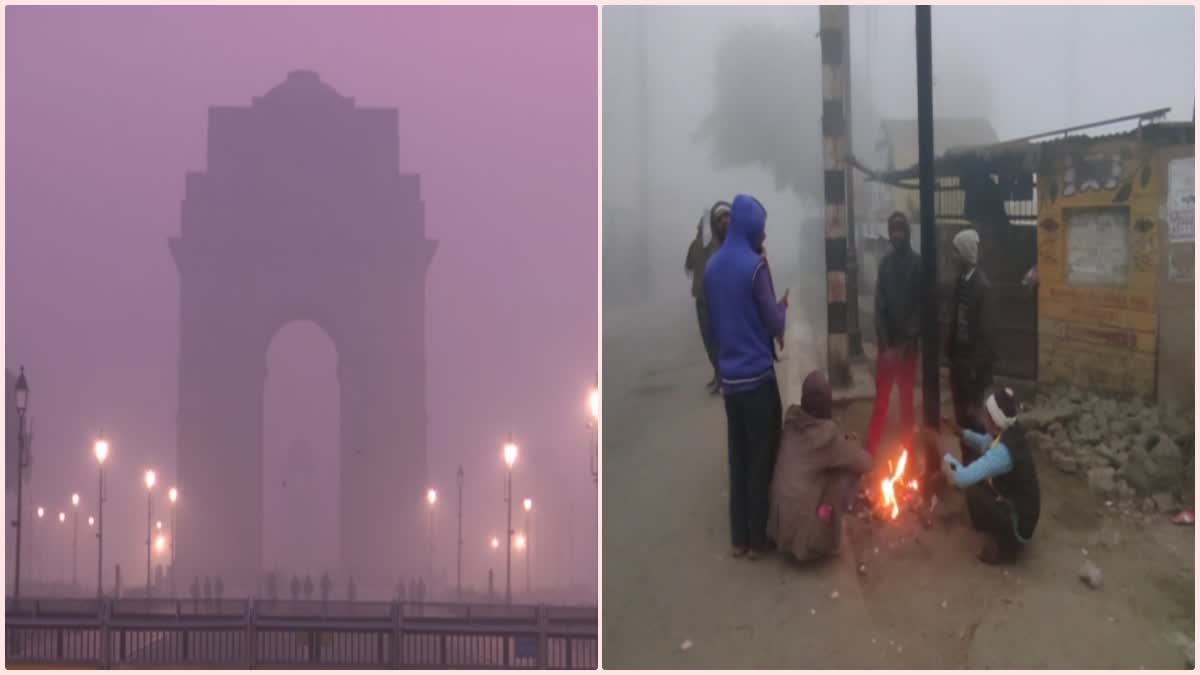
x,y
101,450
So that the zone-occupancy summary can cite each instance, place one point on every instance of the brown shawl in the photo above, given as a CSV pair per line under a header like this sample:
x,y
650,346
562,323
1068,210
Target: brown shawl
x,y
814,456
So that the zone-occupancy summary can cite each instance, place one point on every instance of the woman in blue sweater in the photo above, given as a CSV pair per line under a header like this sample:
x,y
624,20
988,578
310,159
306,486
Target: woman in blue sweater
x,y
1003,498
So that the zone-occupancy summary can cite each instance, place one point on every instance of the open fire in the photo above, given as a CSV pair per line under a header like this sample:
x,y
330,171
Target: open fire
x,y
889,503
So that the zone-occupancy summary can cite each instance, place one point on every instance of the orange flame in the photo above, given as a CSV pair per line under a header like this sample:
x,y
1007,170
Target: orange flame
x,y
888,485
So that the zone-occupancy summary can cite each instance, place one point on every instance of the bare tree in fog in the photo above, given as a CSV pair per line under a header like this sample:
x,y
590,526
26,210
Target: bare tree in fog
x,y
766,107
766,103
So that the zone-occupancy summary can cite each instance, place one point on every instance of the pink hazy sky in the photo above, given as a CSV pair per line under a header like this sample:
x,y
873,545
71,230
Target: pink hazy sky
x,y
106,109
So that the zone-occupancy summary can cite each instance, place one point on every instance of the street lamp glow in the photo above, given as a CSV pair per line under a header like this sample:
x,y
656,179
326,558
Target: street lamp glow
x,y
594,403
75,499
160,544
91,521
173,494
41,512
520,542
158,524
62,517
528,504
510,454
101,449
150,478
495,542
431,496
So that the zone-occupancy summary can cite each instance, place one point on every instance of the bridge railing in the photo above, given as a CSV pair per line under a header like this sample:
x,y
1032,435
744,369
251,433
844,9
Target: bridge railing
x,y
142,633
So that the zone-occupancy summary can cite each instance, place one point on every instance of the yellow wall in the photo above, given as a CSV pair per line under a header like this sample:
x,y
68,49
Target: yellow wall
x,y
1100,338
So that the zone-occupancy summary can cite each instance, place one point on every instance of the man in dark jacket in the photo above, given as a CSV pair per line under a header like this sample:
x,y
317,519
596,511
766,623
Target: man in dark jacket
x,y
970,348
697,259
745,318
897,328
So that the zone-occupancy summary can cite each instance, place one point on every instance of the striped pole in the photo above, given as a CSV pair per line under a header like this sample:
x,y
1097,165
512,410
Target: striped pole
x,y
844,339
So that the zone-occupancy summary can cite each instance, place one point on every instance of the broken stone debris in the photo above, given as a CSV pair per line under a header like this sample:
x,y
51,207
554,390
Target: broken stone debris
x,y
1125,450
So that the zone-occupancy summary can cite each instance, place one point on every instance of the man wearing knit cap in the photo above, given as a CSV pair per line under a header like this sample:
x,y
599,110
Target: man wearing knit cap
x,y
697,259
970,348
1003,497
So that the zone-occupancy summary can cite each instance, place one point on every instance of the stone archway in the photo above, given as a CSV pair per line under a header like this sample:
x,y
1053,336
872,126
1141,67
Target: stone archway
x,y
302,213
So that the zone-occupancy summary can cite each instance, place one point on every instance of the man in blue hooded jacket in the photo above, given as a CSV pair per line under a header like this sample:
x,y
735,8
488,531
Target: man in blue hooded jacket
x,y
744,318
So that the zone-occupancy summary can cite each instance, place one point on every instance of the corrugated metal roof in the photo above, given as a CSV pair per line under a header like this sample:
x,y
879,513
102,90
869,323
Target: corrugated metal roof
x,y
900,137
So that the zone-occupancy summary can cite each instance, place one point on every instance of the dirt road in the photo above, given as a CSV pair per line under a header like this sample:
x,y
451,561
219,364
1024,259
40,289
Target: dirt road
x,y
673,598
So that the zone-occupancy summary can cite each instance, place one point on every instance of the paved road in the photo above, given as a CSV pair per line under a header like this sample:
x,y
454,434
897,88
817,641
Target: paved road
x,y
926,602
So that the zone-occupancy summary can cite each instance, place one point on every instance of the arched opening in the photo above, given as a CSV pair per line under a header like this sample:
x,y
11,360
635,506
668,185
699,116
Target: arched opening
x,y
301,453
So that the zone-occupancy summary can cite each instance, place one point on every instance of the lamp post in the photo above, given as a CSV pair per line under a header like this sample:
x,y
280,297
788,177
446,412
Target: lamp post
x,y
431,499
510,458
33,561
75,541
594,425
150,480
173,495
101,451
21,400
528,504
62,519
458,576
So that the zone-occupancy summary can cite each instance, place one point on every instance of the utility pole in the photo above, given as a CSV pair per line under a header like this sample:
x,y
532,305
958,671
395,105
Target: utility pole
x,y
844,338
930,395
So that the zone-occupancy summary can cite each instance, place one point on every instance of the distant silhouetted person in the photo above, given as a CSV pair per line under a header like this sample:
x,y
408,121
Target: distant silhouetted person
x,y
272,586
308,587
412,590
421,590
295,588
219,589
400,591
351,590
117,590
326,587
208,590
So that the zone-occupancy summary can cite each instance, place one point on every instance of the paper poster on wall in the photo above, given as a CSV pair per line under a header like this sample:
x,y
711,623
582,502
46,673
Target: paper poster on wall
x,y
1181,263
1181,200
1098,246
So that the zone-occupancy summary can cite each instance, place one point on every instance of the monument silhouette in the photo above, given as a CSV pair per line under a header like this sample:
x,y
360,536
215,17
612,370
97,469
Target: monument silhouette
x,y
302,213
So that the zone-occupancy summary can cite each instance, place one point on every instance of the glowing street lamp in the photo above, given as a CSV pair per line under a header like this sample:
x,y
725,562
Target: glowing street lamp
x,y
510,458
151,478
528,504
160,544
519,542
431,496
100,448
91,521
495,543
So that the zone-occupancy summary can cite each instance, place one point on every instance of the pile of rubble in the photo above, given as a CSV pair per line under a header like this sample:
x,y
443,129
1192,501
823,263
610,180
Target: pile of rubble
x,y
1126,451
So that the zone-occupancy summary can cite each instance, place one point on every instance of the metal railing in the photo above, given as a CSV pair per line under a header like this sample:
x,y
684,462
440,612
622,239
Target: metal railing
x,y
297,634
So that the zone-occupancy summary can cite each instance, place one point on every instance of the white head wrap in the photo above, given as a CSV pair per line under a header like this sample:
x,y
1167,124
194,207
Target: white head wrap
x,y
967,245
998,417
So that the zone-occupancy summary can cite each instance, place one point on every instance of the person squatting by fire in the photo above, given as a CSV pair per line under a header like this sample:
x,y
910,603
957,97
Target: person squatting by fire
x,y
1001,485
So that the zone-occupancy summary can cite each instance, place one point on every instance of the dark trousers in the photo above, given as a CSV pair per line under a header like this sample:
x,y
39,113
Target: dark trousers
x,y
901,371
710,344
968,386
993,516
755,423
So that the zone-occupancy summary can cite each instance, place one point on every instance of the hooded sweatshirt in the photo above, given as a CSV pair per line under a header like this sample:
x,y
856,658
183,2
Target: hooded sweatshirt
x,y
743,313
